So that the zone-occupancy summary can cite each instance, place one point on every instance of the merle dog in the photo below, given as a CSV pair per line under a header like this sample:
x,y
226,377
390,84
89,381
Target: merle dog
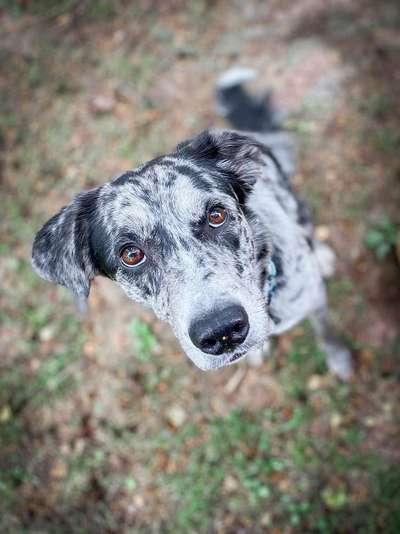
x,y
210,236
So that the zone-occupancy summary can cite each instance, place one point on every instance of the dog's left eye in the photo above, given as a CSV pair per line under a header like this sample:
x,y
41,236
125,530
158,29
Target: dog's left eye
x,y
216,216
132,256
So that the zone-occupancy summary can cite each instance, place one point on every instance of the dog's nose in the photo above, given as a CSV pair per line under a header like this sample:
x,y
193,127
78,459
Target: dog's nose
x,y
220,331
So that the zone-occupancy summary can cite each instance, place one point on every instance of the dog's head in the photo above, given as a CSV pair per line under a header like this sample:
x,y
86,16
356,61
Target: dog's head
x,y
174,234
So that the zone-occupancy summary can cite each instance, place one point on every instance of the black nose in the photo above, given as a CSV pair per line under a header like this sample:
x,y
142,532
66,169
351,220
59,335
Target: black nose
x,y
220,331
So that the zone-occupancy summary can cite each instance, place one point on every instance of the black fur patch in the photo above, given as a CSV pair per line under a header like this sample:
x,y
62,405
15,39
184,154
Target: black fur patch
x,y
262,253
274,318
196,178
162,241
232,158
230,240
61,248
128,176
277,259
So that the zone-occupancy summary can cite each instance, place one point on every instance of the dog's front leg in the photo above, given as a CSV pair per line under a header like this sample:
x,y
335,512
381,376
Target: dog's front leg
x,y
338,356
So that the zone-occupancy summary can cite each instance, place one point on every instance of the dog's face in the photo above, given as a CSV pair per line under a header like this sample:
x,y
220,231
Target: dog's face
x,y
174,235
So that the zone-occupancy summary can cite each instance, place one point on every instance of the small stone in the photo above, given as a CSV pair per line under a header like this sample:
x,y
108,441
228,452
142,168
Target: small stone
x,y
138,501
89,349
230,484
102,104
336,420
176,416
371,421
322,232
5,414
266,520
46,333
119,36
315,382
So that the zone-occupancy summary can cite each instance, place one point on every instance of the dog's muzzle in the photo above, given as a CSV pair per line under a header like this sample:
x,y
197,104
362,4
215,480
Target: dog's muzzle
x,y
221,330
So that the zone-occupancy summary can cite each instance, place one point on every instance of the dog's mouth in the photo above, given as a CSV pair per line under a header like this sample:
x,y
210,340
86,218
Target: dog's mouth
x,y
210,363
232,358
237,356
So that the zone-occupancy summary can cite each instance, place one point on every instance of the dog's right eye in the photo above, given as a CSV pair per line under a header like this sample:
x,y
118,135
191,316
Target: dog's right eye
x,y
132,256
216,216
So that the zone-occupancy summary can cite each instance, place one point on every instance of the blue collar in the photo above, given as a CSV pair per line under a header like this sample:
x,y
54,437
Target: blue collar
x,y
271,280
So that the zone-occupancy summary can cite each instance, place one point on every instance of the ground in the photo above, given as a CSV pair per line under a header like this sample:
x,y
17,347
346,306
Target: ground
x,y
105,426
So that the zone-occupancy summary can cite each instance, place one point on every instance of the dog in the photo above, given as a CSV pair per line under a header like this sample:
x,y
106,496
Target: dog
x,y
211,237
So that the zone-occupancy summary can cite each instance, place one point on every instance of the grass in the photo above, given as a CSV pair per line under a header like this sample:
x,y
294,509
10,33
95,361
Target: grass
x,y
235,465
23,392
234,461
237,447
38,366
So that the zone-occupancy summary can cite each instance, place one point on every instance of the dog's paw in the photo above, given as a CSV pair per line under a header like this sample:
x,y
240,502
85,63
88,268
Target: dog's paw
x,y
326,259
339,360
256,357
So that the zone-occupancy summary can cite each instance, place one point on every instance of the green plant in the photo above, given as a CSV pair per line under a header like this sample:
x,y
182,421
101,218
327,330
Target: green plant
x,y
382,237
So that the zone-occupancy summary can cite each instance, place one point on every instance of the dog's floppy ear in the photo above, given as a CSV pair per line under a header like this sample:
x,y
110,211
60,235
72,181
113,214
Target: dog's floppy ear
x,y
237,156
61,250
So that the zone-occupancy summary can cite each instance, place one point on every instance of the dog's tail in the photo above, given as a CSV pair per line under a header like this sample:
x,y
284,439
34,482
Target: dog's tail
x,y
243,110
255,115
